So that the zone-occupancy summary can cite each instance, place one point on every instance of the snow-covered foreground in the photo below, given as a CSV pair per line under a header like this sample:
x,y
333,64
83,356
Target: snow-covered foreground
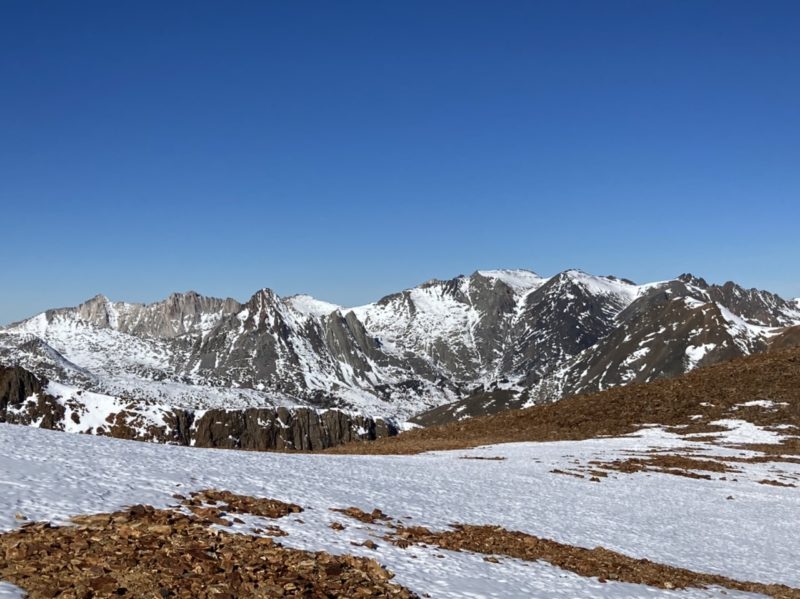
x,y
674,520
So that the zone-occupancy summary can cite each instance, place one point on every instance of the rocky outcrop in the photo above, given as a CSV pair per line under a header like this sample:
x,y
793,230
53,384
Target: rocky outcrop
x,y
24,400
282,428
179,314
16,385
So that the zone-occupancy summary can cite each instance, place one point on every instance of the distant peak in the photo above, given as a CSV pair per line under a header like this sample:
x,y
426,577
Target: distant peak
x,y
620,279
264,292
311,306
97,299
690,279
516,278
575,275
498,272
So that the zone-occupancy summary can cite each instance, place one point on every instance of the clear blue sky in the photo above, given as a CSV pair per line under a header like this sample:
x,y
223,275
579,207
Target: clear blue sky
x,y
351,149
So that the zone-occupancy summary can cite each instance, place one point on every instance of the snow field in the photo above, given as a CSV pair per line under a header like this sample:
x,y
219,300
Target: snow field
x,y
668,519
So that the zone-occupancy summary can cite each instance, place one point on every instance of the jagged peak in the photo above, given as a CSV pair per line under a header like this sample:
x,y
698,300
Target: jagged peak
x,y
184,294
690,279
263,300
265,292
436,282
96,299
622,290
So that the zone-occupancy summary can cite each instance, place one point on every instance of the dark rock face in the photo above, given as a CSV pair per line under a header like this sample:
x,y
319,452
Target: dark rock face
x,y
656,338
561,319
281,428
17,387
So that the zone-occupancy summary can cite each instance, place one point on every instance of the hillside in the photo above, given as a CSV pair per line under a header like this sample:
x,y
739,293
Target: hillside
x,y
763,389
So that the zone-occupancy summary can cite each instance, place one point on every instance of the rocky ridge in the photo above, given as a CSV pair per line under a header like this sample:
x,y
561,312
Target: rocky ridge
x,y
465,346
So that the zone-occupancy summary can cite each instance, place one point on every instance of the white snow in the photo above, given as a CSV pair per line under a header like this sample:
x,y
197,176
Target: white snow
x,y
624,291
695,353
759,403
425,320
305,304
519,280
669,519
694,303
9,591
741,431
635,356
743,331
627,371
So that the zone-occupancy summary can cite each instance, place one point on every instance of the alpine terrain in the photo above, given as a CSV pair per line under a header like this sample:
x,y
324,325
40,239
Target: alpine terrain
x,y
193,369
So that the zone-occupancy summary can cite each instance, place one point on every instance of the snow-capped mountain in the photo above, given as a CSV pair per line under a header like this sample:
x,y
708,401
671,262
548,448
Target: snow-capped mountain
x,y
478,343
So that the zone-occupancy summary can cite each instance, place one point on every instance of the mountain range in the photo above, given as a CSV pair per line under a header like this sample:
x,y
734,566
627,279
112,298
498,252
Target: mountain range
x,y
443,350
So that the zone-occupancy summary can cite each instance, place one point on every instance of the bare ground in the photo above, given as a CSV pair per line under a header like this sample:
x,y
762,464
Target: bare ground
x,y
147,552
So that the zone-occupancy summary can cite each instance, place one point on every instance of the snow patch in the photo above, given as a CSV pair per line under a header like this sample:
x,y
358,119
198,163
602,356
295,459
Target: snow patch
x,y
519,280
695,353
310,306
9,591
759,403
741,431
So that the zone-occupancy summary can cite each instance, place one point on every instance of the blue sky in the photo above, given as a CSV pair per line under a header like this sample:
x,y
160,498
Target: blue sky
x,y
351,149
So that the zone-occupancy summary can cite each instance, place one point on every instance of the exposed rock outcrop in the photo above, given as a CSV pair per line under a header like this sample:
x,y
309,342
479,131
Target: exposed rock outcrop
x,y
282,428
16,385
24,400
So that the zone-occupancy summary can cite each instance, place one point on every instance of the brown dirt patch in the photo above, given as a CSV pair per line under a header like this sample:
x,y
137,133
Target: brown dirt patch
x,y
146,552
242,504
695,400
775,483
362,516
678,465
760,459
787,447
599,562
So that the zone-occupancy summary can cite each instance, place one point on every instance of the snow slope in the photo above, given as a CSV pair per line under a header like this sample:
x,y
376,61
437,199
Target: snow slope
x,y
669,519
